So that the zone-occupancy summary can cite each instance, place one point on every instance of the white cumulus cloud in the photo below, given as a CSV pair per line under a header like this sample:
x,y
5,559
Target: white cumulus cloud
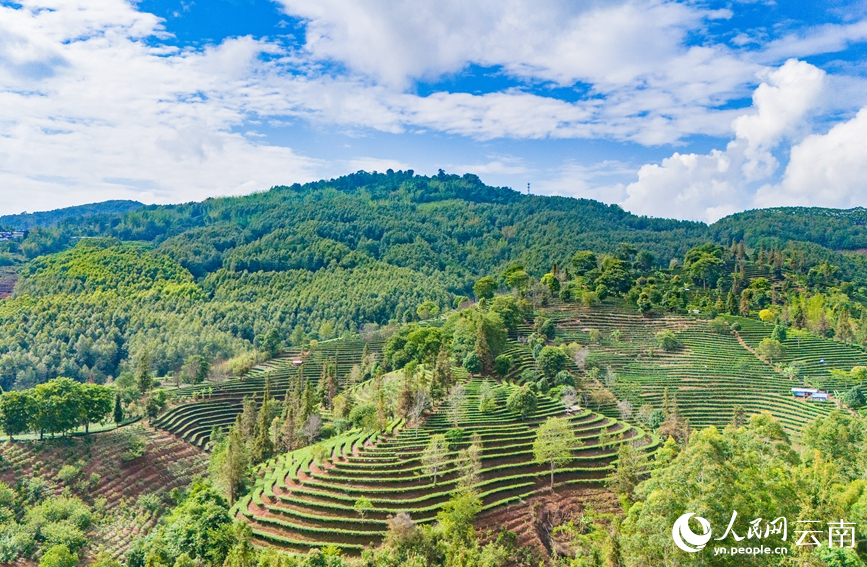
x,y
828,170
710,186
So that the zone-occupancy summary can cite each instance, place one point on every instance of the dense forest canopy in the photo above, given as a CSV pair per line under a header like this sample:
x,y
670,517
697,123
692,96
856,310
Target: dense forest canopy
x,y
26,221
317,260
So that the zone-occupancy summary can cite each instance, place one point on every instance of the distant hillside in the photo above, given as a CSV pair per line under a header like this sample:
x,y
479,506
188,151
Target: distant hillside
x,y
326,258
27,221
836,229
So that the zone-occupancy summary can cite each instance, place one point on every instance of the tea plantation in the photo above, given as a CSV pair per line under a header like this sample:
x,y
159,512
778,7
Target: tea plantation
x,y
299,504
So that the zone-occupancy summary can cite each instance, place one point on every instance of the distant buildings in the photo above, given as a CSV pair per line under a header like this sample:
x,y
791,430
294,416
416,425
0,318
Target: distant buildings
x,y
6,236
810,394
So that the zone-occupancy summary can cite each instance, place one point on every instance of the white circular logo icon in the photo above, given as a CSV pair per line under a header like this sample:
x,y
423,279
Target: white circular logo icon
x,y
684,537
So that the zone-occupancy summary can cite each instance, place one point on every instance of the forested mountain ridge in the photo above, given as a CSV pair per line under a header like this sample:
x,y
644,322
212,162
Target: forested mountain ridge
x,y
324,258
676,328
26,221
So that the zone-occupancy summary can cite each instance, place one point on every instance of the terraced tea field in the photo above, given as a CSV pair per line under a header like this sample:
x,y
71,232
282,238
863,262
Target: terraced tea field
x,y
220,404
135,492
297,504
710,373
818,355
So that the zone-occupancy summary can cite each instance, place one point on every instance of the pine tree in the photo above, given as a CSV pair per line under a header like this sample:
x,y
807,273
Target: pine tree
x,y
483,350
289,429
308,401
118,409
843,329
745,304
248,418
732,304
267,394
229,462
262,448
143,373
329,381
442,374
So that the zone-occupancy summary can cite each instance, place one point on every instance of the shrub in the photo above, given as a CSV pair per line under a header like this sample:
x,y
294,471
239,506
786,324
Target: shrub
x,y
16,540
134,446
67,473
59,556
522,402
720,326
502,364
666,340
564,378
551,360
454,437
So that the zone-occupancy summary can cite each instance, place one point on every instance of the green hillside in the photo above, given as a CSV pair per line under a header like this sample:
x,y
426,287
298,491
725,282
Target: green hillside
x,y
45,219
369,363
326,258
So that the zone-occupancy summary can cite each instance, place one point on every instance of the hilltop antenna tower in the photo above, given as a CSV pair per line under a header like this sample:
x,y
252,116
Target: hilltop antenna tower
x,y
528,188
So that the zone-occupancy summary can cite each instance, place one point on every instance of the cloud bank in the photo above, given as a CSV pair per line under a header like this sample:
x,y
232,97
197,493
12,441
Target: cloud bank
x,y
96,104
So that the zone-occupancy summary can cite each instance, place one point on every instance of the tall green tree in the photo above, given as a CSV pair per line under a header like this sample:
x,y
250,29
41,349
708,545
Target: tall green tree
x,y
262,448
143,376
57,406
94,404
485,287
435,456
554,444
229,462
117,414
17,412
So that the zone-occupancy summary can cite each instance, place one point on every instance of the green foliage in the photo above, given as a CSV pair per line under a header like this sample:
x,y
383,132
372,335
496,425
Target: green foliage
x,y
200,528
854,398
522,402
551,360
229,462
427,309
770,350
57,406
134,445
362,506
757,456
666,340
435,456
271,342
554,443
583,262
17,411
839,437
503,364
58,556
720,326
412,343
454,438
472,363
705,264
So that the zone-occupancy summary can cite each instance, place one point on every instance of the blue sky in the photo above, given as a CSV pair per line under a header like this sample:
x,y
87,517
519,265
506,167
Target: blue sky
x,y
691,110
